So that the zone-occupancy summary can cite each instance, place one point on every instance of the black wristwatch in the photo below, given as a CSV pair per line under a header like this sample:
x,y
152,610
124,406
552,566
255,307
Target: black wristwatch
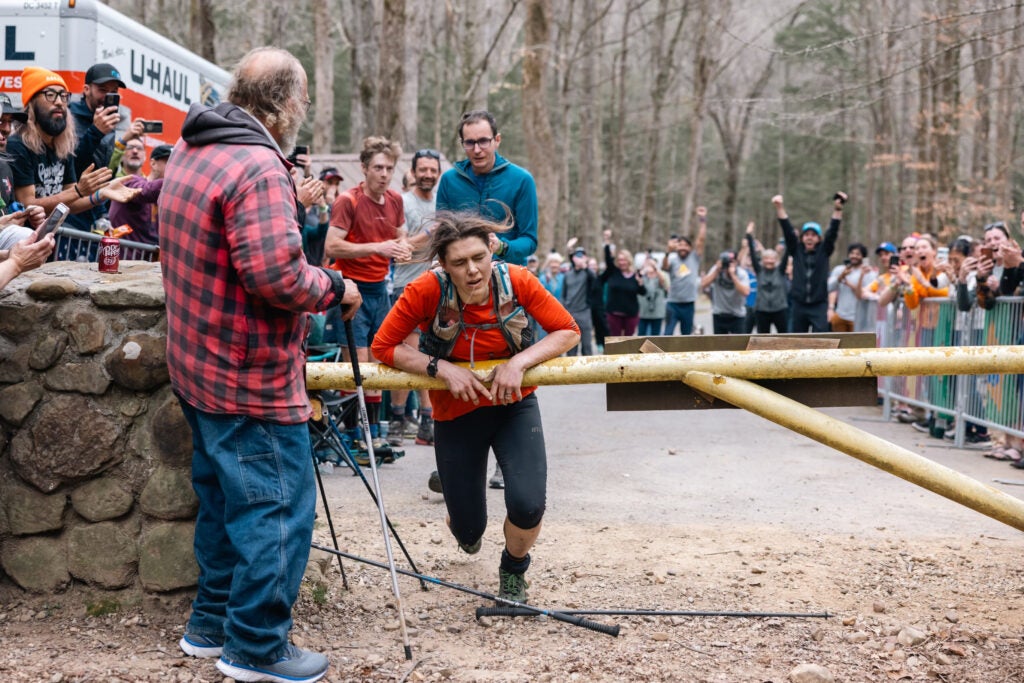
x,y
432,367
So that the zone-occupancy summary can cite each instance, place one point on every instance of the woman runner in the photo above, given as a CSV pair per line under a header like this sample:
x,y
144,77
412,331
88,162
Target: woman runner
x,y
471,417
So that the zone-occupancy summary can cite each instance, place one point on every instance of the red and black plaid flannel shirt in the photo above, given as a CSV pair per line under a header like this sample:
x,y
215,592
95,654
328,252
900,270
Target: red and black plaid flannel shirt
x,y
237,282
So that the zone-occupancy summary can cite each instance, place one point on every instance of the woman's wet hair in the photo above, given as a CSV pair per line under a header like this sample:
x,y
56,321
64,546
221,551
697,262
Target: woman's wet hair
x,y
452,226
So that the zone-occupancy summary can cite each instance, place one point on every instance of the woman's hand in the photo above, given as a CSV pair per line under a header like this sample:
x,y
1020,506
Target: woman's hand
x,y
507,382
463,384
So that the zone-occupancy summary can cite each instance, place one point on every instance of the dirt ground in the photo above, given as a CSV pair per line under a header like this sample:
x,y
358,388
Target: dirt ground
x,y
679,511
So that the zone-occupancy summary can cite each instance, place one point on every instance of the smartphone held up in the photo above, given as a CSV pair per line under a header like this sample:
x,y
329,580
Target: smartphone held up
x,y
54,221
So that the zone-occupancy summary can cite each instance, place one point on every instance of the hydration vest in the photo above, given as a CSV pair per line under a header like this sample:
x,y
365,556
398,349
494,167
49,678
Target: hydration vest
x,y
439,339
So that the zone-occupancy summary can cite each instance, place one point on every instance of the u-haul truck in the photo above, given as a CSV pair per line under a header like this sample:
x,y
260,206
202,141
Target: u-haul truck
x,y
69,36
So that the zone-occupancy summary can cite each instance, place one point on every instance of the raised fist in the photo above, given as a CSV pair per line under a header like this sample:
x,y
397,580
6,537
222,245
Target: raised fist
x,y
777,200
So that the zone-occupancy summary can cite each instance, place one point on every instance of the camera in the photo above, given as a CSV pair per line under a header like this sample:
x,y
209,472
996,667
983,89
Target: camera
x,y
839,196
111,99
846,262
727,257
152,126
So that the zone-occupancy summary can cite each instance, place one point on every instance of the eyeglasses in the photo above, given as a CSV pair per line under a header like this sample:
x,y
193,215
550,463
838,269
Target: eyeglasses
x,y
482,143
137,148
52,95
429,153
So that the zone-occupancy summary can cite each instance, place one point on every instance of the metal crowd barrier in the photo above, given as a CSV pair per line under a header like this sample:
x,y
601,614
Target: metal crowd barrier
x,y
993,401
75,245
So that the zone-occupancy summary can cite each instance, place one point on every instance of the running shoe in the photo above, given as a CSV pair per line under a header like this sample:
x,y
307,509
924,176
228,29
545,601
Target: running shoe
x,y
195,645
512,586
497,479
396,432
425,431
295,666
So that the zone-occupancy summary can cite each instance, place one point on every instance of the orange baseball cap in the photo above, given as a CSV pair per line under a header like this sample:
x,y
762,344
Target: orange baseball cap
x,y
34,79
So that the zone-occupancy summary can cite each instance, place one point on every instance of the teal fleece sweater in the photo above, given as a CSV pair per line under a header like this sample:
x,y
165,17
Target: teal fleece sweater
x,y
506,185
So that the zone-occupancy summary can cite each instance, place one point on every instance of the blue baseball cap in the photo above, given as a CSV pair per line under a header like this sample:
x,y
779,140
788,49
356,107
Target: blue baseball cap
x,y
887,246
811,226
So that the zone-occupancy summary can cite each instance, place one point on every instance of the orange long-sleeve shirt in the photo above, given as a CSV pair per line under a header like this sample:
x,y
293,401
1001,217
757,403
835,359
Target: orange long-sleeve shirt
x,y
418,305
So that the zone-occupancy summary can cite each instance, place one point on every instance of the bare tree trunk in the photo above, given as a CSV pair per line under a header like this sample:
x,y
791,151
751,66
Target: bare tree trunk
x,y
417,26
323,77
363,65
203,30
924,209
391,74
703,67
617,123
946,105
540,139
664,67
1008,118
586,196
276,24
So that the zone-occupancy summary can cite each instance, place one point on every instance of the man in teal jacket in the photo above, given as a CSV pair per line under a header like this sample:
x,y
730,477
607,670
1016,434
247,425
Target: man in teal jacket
x,y
491,185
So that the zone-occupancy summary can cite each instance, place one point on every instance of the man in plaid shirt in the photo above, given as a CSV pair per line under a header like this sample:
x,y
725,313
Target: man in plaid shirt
x,y
238,288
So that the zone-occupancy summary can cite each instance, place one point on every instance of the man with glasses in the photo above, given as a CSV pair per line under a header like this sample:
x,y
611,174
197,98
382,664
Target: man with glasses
x,y
238,292
42,152
419,203
489,184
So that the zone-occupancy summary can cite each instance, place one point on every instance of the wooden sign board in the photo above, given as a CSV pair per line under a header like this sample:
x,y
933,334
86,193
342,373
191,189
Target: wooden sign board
x,y
828,392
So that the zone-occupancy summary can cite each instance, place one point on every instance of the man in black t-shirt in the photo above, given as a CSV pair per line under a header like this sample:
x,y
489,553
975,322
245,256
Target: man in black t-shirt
x,y
42,152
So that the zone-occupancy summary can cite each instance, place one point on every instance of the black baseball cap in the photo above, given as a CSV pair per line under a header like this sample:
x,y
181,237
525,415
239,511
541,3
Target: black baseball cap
x,y
11,110
103,73
330,173
160,152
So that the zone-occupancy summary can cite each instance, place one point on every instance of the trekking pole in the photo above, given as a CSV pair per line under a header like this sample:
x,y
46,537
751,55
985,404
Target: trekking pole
x,y
330,522
358,470
516,612
376,485
575,620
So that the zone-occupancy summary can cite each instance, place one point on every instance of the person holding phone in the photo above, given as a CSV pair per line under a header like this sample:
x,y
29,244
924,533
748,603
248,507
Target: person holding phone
x,y
24,256
95,118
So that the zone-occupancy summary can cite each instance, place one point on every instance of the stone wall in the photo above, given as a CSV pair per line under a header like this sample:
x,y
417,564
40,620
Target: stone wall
x,y
94,449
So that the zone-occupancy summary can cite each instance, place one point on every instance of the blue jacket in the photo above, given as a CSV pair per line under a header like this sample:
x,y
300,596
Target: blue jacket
x,y
93,148
506,185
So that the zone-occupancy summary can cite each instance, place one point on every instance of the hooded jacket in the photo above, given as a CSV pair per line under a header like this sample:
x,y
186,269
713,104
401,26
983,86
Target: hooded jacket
x,y
505,185
810,268
236,280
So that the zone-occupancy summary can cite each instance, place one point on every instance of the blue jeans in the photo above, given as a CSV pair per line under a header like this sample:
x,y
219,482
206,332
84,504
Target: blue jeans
x,y
368,319
257,497
649,327
681,313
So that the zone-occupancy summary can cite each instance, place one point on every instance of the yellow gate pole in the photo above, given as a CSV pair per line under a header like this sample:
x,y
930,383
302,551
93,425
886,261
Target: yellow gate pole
x,y
862,445
662,367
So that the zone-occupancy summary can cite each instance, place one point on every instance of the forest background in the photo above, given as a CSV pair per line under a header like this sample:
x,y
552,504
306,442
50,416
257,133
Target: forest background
x,y
630,113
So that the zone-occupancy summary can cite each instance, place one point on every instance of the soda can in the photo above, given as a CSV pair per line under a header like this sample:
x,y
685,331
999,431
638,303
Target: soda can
x,y
110,255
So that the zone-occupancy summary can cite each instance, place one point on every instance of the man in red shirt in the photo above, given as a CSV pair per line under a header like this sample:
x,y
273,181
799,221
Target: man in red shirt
x,y
238,289
367,231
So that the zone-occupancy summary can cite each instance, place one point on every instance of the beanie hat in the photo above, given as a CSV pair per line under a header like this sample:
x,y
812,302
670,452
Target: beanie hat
x,y
811,226
34,79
